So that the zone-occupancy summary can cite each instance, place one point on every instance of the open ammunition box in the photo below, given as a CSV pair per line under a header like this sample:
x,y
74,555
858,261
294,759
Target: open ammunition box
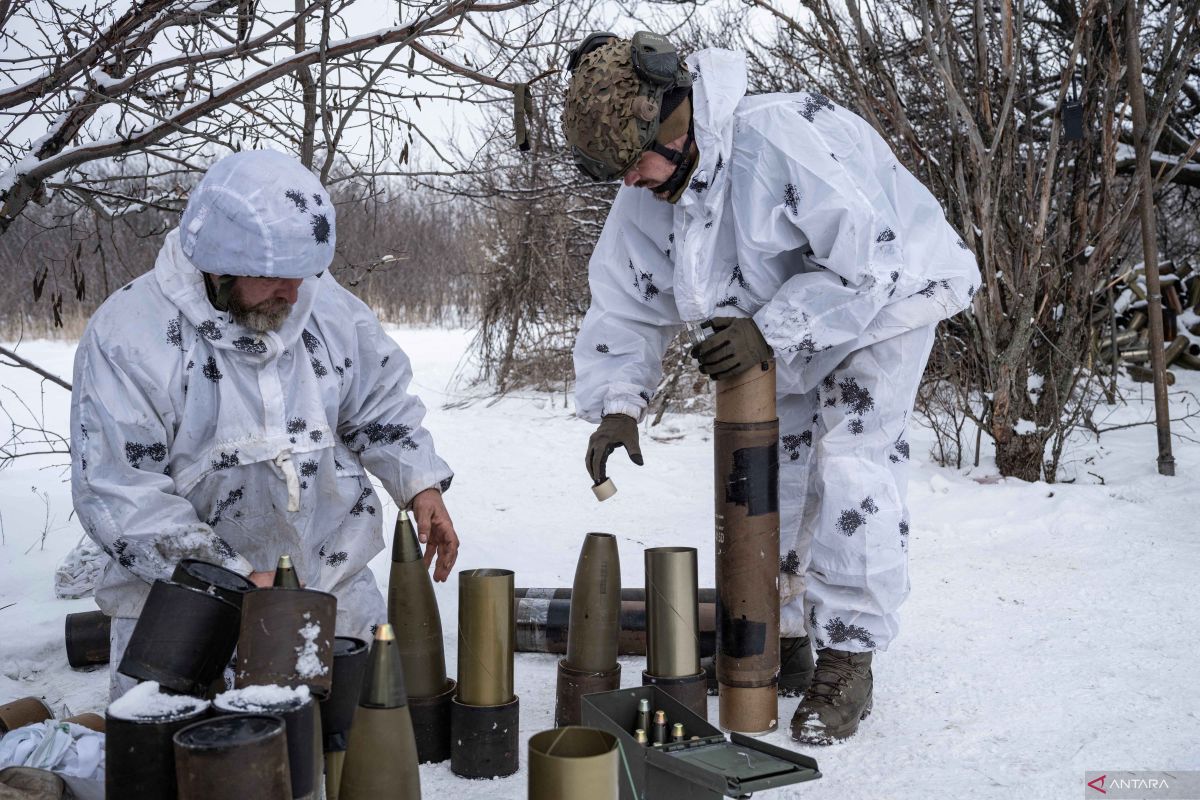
x,y
706,768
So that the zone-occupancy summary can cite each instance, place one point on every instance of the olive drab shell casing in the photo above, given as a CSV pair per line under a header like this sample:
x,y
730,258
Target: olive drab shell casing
x,y
183,638
745,438
595,605
381,760
212,578
574,762
87,637
413,614
287,639
139,756
285,574
672,612
643,714
22,712
486,637
233,757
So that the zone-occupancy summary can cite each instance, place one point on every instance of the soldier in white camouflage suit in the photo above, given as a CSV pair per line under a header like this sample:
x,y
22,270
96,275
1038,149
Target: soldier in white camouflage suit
x,y
229,403
787,221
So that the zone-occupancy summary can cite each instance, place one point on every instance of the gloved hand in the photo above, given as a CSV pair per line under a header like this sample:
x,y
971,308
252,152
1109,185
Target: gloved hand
x,y
616,430
735,346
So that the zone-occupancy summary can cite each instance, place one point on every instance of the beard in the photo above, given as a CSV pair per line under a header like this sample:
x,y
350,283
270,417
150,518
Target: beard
x,y
268,315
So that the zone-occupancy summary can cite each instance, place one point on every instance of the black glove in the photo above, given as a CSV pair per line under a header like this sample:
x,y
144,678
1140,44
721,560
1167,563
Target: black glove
x,y
616,430
735,346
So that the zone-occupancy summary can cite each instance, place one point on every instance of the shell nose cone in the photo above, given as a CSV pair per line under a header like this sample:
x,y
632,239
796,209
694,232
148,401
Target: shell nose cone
x,y
405,546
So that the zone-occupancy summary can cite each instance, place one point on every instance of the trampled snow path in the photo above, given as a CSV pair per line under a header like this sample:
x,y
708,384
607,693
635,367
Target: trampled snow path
x,y
1051,629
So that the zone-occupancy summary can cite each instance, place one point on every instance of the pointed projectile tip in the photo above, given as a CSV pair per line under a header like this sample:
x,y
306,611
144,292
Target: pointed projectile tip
x,y
285,574
405,546
383,682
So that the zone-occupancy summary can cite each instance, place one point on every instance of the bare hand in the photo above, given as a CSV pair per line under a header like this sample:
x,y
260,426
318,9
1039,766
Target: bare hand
x,y
435,530
263,580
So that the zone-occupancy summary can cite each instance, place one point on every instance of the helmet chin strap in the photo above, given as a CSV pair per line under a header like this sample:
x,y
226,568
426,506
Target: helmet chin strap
x,y
672,187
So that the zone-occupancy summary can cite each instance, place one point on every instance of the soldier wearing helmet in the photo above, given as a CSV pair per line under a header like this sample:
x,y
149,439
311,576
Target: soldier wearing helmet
x,y
229,403
787,223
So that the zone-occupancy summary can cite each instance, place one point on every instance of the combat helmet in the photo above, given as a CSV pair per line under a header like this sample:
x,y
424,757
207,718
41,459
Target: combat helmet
x,y
626,96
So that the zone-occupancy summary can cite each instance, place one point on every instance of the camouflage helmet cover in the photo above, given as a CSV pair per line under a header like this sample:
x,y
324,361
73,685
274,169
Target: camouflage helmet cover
x,y
610,112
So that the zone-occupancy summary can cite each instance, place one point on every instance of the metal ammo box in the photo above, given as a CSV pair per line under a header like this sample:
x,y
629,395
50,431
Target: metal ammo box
x,y
707,768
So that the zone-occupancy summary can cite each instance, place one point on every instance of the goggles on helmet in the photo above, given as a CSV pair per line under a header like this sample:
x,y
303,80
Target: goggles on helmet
x,y
660,69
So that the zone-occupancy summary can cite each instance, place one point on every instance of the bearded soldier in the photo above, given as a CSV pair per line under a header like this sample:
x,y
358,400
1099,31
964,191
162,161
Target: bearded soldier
x,y
229,403
786,222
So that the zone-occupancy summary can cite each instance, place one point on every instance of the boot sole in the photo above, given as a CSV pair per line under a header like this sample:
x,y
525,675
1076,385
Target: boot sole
x,y
828,736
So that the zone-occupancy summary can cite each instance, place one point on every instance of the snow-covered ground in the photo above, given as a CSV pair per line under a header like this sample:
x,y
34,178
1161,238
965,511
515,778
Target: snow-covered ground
x,y
1051,629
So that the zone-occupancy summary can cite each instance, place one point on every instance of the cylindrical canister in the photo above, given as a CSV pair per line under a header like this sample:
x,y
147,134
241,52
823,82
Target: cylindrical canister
x,y
183,638
139,758
299,714
337,710
672,613
381,760
233,758
431,724
22,712
575,762
287,639
486,739
595,605
573,684
543,626
89,720
212,578
746,437
413,613
87,637
486,637
634,593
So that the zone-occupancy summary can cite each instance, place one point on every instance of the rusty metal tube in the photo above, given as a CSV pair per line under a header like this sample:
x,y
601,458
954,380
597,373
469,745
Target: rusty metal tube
x,y
746,436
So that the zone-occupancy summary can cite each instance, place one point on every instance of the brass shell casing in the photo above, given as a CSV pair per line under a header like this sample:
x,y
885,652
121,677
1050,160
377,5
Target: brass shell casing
x,y
413,613
486,637
575,762
746,437
672,612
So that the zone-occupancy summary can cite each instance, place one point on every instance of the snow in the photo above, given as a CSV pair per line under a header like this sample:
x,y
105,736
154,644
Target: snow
x,y
308,663
262,699
1050,630
146,702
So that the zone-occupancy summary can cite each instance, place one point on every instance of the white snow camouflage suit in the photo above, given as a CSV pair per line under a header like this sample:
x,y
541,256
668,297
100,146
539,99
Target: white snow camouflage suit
x,y
194,437
798,215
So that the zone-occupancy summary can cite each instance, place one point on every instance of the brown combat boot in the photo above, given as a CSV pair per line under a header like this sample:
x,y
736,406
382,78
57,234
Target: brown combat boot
x,y
795,666
840,696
